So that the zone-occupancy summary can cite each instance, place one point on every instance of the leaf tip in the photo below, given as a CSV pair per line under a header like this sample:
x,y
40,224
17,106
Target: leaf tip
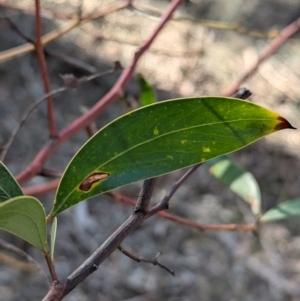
x,y
283,124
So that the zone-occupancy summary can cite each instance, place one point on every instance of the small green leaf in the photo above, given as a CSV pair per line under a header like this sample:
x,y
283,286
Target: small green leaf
x,y
147,95
53,236
9,187
25,217
160,138
282,211
238,180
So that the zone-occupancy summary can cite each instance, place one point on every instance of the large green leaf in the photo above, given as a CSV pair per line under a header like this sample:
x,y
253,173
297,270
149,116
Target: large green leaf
x,y
25,217
284,210
161,138
147,95
238,180
9,187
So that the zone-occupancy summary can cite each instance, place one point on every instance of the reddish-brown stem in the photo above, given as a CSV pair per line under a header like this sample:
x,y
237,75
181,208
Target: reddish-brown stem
x,y
42,61
206,227
51,267
41,189
52,185
285,34
202,227
84,120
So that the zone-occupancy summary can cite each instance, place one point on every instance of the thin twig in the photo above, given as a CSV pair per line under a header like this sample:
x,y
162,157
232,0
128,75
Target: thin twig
x,y
82,121
154,261
17,264
50,172
99,35
23,49
12,53
164,203
4,245
14,26
271,48
139,7
75,83
24,118
71,61
202,227
41,189
43,65
50,14
51,268
50,186
155,13
61,56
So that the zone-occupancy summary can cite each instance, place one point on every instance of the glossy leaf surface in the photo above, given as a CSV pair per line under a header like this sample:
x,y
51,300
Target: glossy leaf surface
x,y
282,211
9,187
238,180
161,138
25,217
147,95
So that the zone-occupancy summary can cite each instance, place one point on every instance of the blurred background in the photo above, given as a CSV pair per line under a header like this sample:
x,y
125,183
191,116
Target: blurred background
x,y
192,56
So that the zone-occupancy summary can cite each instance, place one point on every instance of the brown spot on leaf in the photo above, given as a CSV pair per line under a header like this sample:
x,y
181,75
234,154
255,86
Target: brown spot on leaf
x,y
92,179
283,124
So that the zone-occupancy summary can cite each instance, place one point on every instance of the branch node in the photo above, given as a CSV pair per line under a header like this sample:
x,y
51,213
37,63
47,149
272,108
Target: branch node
x,y
242,93
144,198
137,210
95,267
142,259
